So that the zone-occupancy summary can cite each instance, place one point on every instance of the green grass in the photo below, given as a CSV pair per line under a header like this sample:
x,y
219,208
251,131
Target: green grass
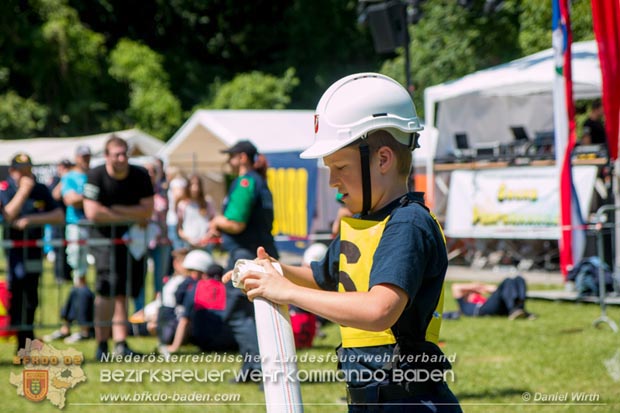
x,y
497,361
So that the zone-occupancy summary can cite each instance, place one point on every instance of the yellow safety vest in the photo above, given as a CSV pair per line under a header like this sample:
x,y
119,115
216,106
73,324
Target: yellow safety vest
x,y
359,240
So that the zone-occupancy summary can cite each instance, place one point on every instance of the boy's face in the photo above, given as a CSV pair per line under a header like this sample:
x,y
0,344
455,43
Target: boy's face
x,y
345,175
177,264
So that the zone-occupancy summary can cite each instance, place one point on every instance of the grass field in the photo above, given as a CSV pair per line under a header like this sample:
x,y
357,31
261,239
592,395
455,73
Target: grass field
x,y
501,366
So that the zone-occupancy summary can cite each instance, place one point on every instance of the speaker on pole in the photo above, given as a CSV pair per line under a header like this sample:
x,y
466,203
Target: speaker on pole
x,y
388,25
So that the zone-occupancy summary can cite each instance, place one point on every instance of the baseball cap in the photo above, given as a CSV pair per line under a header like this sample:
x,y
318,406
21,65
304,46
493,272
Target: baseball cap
x,y
82,150
20,160
198,260
242,147
215,271
66,163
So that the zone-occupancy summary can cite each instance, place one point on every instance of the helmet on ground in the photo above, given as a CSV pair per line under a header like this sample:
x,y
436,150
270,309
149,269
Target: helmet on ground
x,y
198,260
358,104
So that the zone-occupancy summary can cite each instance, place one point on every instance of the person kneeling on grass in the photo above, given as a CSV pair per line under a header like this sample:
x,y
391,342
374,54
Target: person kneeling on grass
x,y
204,317
505,299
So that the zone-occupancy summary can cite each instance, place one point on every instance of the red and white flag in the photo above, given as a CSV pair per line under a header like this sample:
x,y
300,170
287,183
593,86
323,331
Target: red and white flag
x,y
572,234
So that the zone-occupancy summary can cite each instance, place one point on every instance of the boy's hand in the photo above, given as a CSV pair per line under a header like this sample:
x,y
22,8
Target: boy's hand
x,y
270,284
261,254
227,277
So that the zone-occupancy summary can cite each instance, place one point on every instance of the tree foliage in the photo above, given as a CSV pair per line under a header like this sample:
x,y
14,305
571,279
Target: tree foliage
x,y
71,67
19,117
255,90
451,41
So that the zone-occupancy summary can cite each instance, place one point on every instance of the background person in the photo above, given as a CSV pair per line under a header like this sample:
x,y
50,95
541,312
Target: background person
x,y
176,184
167,319
116,193
202,316
506,299
159,245
25,205
62,269
245,224
247,217
593,132
194,212
79,304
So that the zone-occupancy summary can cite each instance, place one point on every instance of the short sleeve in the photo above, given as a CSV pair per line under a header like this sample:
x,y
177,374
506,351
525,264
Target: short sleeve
x,y
68,183
241,200
92,187
326,272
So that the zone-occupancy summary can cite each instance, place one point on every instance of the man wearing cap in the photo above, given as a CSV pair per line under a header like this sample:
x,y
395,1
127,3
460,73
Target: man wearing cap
x,y
248,208
115,194
245,225
26,205
80,302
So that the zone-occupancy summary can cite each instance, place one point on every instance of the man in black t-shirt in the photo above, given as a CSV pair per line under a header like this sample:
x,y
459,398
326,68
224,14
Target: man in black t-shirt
x,y
117,194
26,205
593,128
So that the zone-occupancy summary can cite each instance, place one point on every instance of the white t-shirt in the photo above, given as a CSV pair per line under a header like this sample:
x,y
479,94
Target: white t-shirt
x,y
195,224
169,290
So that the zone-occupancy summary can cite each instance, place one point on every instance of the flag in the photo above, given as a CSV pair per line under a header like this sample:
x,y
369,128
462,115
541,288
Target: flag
x,y
606,19
572,235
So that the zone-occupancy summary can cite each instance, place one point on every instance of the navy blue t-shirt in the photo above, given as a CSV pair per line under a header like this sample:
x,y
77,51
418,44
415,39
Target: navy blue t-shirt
x,y
411,255
40,200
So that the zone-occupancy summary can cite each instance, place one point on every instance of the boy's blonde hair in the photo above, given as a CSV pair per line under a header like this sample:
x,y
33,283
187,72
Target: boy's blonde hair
x,y
377,139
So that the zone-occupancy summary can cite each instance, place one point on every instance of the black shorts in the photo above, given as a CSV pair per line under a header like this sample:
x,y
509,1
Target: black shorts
x,y
126,277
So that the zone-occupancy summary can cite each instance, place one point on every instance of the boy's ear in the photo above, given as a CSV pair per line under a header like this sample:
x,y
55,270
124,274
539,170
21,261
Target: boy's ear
x,y
386,158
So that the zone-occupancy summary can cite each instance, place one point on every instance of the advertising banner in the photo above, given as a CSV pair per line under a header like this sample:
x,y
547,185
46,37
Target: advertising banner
x,y
512,203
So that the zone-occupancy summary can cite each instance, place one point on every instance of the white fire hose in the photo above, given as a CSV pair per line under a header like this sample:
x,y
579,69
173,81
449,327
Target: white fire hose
x,y
277,347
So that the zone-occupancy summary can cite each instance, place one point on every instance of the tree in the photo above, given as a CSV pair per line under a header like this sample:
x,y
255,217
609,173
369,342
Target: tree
x,y
535,19
450,41
255,90
20,117
152,106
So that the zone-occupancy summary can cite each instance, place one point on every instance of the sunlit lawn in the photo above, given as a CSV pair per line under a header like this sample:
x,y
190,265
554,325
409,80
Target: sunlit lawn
x,y
499,364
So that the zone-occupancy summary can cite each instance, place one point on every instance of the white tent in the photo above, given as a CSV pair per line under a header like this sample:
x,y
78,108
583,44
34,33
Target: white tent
x,y
49,151
485,104
197,144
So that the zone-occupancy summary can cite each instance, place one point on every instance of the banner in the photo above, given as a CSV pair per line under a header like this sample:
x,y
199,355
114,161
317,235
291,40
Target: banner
x,y
293,183
511,203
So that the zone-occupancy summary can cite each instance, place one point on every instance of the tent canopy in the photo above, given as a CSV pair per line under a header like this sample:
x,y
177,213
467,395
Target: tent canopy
x,y
199,141
201,138
49,151
485,104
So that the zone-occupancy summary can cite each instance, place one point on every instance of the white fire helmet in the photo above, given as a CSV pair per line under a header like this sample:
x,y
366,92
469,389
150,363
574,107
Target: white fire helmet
x,y
358,104
198,260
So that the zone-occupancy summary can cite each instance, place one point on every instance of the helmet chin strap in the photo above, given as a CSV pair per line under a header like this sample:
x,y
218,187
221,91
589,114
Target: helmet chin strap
x,y
365,158
366,191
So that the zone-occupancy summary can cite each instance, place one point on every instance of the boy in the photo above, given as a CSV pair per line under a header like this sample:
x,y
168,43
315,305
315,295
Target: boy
x,y
386,292
167,319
